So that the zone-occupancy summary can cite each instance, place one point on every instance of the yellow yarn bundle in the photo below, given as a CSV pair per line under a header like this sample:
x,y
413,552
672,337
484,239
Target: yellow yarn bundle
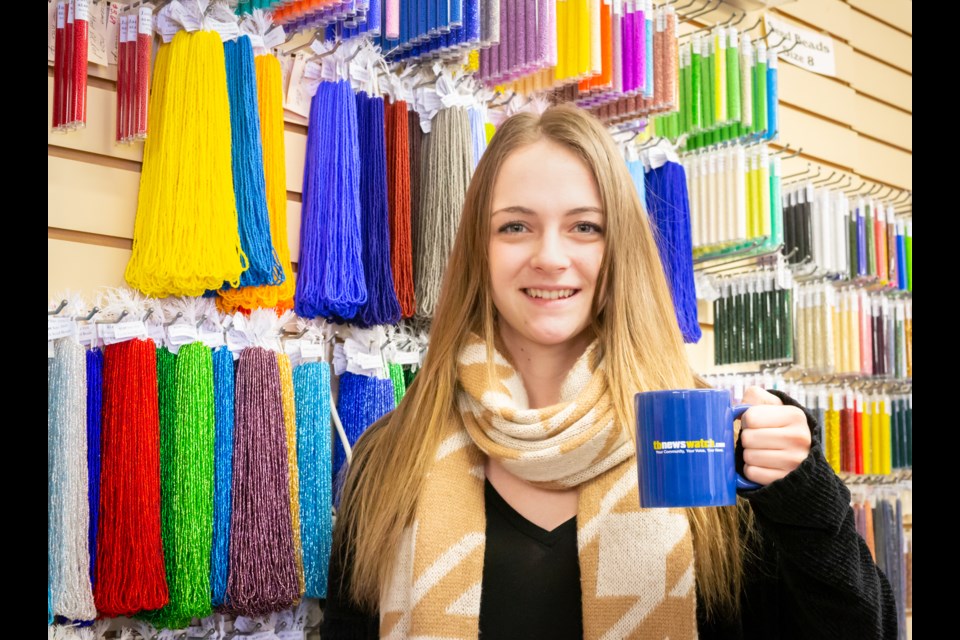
x,y
186,238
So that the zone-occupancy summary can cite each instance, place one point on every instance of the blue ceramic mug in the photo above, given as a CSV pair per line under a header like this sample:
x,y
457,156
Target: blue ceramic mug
x,y
685,449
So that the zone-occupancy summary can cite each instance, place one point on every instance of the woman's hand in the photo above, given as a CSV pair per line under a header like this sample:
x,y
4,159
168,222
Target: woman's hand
x,y
775,437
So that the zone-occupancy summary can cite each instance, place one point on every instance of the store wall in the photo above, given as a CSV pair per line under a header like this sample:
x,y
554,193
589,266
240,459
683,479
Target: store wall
x,y
859,122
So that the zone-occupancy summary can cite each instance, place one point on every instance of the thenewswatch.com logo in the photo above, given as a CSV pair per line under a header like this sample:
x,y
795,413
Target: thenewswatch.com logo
x,y
682,446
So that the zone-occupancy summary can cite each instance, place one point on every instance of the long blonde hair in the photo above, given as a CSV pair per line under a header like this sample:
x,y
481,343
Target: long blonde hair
x,y
634,322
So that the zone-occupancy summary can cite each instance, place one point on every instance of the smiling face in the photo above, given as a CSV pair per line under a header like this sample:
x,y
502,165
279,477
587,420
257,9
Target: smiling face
x,y
546,245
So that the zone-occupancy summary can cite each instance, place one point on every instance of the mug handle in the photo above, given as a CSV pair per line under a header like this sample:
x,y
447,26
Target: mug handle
x,y
743,483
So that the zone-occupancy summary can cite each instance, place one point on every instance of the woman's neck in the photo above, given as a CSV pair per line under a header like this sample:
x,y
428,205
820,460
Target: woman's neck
x,y
544,368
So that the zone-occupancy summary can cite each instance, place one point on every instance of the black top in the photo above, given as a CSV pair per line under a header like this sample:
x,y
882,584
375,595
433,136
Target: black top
x,y
810,574
531,576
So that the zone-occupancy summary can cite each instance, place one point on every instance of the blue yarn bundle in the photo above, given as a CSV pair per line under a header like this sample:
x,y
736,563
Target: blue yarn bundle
x,y
361,402
249,184
222,473
669,213
478,129
382,306
311,388
330,279
94,406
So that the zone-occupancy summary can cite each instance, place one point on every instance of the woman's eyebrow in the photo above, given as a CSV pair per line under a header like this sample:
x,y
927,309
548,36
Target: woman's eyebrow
x,y
527,211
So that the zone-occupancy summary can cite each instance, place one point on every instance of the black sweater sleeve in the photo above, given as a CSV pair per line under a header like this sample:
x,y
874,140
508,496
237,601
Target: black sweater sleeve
x,y
827,584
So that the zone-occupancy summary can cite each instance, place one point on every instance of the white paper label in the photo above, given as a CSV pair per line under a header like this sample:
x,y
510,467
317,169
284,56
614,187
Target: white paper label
x,y
157,334
132,29
213,339
311,350
297,99
50,351
291,346
406,357
275,37
70,12
256,41
113,26
105,332
291,635
61,15
182,333
145,23
82,12
369,360
55,20
135,329
98,42
87,334
60,328
227,30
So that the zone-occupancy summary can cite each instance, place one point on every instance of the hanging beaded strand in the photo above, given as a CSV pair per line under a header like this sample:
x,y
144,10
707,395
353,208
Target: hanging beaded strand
x,y
187,470
94,408
131,576
311,383
223,474
68,511
263,572
290,425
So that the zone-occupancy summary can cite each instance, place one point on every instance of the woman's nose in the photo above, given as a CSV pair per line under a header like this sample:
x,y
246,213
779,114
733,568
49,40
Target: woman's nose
x,y
550,253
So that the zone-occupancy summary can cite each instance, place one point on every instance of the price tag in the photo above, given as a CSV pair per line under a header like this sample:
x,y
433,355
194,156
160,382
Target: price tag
x,y
291,635
291,346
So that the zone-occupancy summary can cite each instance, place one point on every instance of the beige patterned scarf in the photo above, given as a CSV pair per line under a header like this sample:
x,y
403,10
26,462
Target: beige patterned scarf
x,y
636,566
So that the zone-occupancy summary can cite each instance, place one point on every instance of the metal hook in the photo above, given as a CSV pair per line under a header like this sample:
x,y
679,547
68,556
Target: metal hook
x,y
702,12
794,154
708,27
122,316
689,4
854,190
175,318
774,46
93,312
209,633
798,175
827,179
325,53
202,320
759,20
790,49
147,315
742,16
59,308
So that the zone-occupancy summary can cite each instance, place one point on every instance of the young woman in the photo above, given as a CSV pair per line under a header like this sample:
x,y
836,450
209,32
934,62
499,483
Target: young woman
x,y
500,497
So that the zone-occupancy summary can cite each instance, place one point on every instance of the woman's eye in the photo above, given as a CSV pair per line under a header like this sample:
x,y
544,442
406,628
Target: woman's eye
x,y
588,227
512,227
